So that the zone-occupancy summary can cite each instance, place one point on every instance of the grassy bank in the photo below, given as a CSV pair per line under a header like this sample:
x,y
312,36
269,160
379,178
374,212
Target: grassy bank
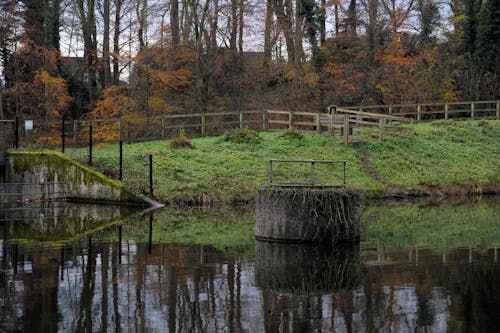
x,y
445,157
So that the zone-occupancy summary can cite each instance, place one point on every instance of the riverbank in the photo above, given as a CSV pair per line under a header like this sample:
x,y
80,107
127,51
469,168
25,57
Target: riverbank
x,y
445,158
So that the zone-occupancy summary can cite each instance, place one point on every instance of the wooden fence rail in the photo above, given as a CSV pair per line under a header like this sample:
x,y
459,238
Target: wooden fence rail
x,y
344,120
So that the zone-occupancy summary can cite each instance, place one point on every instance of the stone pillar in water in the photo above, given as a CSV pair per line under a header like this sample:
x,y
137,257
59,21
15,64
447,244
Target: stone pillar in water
x,y
308,214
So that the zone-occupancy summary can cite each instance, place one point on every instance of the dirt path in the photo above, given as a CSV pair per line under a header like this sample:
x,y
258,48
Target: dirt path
x,y
392,190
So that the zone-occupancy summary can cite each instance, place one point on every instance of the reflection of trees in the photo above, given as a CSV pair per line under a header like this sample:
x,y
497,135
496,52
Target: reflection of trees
x,y
197,289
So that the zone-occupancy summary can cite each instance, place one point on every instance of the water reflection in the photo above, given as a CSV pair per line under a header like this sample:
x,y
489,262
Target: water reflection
x,y
307,268
199,289
108,280
55,221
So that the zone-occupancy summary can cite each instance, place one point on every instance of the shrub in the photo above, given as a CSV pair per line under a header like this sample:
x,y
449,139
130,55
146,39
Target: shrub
x,y
241,135
181,141
292,134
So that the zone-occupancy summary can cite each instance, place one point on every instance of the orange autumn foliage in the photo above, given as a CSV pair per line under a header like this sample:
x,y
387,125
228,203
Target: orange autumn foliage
x,y
50,94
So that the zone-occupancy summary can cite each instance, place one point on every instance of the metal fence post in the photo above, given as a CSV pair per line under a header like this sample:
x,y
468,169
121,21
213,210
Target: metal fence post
x,y
63,135
16,133
90,144
344,183
312,172
151,174
270,171
75,129
120,175
120,129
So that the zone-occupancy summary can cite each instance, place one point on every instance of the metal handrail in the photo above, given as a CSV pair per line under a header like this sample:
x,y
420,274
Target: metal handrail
x,y
312,179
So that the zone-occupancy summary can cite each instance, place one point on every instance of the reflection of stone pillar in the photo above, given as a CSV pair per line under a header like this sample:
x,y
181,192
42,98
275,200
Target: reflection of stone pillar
x,y
306,268
294,277
308,214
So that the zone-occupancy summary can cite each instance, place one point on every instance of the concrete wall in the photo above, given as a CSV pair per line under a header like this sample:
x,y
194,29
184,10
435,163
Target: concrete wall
x,y
68,179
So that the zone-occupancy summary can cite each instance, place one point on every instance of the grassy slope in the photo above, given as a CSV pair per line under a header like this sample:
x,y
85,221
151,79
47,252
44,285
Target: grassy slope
x,y
444,153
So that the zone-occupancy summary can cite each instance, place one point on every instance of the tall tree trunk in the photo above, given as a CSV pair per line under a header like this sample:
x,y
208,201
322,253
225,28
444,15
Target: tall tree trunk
x,y
268,44
214,23
116,42
240,32
352,18
284,14
174,22
322,28
298,36
86,10
372,28
234,25
141,11
105,43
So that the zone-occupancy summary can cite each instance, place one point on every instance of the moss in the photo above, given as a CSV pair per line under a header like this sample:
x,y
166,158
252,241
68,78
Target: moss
x,y
73,173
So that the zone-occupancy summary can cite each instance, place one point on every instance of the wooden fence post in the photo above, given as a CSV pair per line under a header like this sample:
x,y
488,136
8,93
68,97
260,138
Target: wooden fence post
x,y
446,109
419,111
241,119
381,128
203,124
412,130
318,123
472,109
264,120
498,110
390,109
346,129
331,123
290,117
163,126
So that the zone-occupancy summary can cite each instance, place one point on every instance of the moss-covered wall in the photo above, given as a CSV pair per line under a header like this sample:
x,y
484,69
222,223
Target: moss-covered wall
x,y
73,180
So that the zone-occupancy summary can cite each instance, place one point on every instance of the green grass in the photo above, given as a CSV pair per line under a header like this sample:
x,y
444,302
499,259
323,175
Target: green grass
x,y
443,154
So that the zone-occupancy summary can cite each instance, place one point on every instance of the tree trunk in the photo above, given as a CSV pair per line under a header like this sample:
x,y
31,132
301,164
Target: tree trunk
x,y
284,15
105,43
234,25
268,44
86,10
116,42
174,22
323,23
214,26
240,33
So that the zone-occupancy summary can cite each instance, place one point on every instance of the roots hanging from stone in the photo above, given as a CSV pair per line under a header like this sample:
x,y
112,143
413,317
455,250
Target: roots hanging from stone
x,y
333,213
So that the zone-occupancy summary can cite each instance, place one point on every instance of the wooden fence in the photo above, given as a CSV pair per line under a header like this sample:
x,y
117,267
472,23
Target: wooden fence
x,y
439,110
343,120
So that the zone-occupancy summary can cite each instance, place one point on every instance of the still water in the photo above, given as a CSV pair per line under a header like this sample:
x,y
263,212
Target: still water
x,y
64,270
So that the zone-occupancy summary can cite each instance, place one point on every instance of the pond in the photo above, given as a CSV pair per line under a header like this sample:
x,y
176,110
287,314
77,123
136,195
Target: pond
x,y
420,267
